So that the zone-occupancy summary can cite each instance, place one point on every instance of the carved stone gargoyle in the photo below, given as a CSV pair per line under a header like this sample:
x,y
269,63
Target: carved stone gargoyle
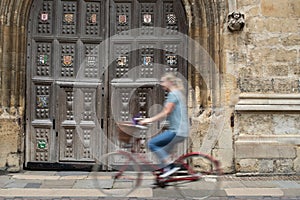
x,y
236,21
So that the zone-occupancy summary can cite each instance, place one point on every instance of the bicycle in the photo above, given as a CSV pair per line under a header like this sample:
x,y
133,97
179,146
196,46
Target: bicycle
x,y
197,178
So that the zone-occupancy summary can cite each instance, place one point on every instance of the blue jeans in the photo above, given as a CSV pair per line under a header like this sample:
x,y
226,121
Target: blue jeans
x,y
163,144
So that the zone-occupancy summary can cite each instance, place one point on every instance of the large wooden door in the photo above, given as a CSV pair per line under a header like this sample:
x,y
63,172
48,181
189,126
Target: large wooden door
x,y
85,72
148,41
65,80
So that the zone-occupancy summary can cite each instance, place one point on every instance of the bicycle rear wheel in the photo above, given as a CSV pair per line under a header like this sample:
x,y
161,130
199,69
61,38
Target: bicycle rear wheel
x,y
199,176
116,174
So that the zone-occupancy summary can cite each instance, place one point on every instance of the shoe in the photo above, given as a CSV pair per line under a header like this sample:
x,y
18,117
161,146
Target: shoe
x,y
170,169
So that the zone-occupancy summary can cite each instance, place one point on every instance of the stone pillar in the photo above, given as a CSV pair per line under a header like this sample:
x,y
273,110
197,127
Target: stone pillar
x,y
211,131
13,19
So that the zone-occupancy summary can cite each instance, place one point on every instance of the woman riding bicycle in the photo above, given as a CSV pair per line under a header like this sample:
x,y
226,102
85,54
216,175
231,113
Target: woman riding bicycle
x,y
175,112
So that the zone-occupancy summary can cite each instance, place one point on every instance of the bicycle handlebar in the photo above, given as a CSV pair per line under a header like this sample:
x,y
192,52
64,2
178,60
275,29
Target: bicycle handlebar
x,y
141,126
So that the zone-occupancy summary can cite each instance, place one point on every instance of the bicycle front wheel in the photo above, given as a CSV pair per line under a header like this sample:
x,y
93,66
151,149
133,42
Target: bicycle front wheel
x,y
199,176
116,174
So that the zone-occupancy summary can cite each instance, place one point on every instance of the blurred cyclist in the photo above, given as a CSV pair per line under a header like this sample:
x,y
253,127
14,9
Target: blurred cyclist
x,y
175,111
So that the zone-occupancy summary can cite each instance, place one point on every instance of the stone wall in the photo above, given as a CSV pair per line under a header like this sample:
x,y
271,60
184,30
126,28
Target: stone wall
x,y
265,60
10,145
267,133
268,56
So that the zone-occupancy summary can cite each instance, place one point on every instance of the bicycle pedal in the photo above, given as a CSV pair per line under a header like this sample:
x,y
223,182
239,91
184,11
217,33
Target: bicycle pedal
x,y
158,185
168,173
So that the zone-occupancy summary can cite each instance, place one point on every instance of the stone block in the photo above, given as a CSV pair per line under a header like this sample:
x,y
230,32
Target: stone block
x,y
255,124
13,163
263,150
265,166
283,55
235,57
253,11
9,145
13,160
255,24
277,70
264,55
3,157
248,3
249,71
281,25
255,85
295,8
295,70
285,85
225,138
291,40
284,166
296,162
275,8
262,39
286,124
225,156
9,136
246,165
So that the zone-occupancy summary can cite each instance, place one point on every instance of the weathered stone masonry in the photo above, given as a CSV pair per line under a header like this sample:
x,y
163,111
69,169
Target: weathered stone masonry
x,y
255,87
267,69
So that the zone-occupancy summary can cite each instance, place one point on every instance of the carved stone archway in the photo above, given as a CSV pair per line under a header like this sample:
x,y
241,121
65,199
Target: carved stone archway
x,y
13,23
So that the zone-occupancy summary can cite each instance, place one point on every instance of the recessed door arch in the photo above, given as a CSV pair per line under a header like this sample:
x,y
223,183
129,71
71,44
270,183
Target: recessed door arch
x,y
78,55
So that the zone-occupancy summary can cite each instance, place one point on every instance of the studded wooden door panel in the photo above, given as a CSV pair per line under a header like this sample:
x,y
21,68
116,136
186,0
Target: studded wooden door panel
x,y
78,138
65,66
147,42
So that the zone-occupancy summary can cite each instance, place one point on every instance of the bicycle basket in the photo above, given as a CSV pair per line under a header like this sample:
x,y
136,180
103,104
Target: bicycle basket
x,y
126,131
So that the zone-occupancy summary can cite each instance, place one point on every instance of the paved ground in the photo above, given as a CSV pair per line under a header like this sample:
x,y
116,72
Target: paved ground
x,y
71,185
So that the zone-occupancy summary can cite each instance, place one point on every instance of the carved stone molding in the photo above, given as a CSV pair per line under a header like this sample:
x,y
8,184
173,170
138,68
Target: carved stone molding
x,y
236,21
268,102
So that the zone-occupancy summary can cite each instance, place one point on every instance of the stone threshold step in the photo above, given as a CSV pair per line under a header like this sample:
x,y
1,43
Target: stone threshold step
x,y
274,192
24,192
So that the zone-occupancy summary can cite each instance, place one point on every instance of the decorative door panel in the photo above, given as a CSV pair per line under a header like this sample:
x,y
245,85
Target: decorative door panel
x,y
148,18
123,61
68,64
45,20
170,19
94,19
42,124
148,55
77,121
43,52
133,100
121,17
68,22
171,58
91,65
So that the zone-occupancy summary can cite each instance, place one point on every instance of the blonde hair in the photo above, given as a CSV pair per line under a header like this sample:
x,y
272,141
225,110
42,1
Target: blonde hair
x,y
177,82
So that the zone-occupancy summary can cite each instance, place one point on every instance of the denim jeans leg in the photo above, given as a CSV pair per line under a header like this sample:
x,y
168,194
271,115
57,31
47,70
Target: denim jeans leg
x,y
158,143
176,140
